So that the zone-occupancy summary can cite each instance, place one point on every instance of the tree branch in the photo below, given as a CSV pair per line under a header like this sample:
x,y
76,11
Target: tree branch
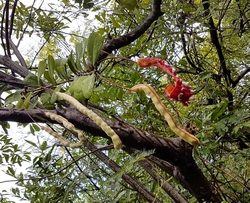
x,y
167,187
131,181
11,81
176,151
216,43
6,61
124,40
240,76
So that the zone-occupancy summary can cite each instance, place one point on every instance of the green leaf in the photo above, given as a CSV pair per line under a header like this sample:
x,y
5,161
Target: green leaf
x,y
31,79
11,171
48,78
44,146
82,88
219,110
31,143
53,98
36,127
51,68
71,63
32,130
94,46
115,23
6,157
41,68
13,97
128,4
79,54
60,65
45,97
135,76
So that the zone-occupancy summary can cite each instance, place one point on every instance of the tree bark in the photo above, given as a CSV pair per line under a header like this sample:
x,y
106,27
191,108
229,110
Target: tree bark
x,y
175,151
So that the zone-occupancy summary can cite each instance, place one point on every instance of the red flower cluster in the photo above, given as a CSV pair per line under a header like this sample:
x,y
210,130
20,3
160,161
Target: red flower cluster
x,y
180,91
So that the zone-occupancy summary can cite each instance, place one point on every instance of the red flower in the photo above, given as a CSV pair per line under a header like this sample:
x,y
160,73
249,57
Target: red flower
x,y
180,91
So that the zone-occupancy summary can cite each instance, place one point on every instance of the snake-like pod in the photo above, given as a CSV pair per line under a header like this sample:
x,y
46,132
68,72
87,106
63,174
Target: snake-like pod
x,y
62,139
98,120
191,139
67,125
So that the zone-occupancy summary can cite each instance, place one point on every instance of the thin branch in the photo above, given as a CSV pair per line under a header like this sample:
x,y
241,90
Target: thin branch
x,y
2,30
215,40
240,76
130,180
164,184
124,40
12,17
7,4
216,43
17,53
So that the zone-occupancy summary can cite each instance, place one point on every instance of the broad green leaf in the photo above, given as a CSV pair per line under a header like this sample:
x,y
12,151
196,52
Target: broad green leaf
x,y
16,96
60,65
44,146
71,63
82,88
32,130
51,67
94,46
45,97
219,110
79,54
31,79
134,77
84,56
6,157
99,88
24,103
11,171
48,78
41,68
115,23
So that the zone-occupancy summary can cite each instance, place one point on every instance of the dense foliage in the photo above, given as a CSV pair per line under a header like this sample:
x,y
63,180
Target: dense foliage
x,y
88,49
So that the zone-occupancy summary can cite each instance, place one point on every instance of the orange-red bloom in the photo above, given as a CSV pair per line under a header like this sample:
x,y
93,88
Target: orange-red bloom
x,y
180,91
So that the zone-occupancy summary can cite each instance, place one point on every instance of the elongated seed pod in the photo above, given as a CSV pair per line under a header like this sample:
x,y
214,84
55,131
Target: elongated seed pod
x,y
98,120
67,125
62,139
191,139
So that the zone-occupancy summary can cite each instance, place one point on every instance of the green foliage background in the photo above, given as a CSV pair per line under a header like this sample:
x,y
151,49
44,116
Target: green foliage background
x,y
181,37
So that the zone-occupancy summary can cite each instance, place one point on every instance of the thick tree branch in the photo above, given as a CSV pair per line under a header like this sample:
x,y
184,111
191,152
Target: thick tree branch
x,y
124,40
6,61
175,151
12,81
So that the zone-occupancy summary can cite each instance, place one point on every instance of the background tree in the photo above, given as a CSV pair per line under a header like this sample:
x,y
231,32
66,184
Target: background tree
x,y
208,44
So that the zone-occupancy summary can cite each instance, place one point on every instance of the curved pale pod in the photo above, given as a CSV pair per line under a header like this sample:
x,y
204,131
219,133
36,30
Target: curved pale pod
x,y
67,125
98,120
191,139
